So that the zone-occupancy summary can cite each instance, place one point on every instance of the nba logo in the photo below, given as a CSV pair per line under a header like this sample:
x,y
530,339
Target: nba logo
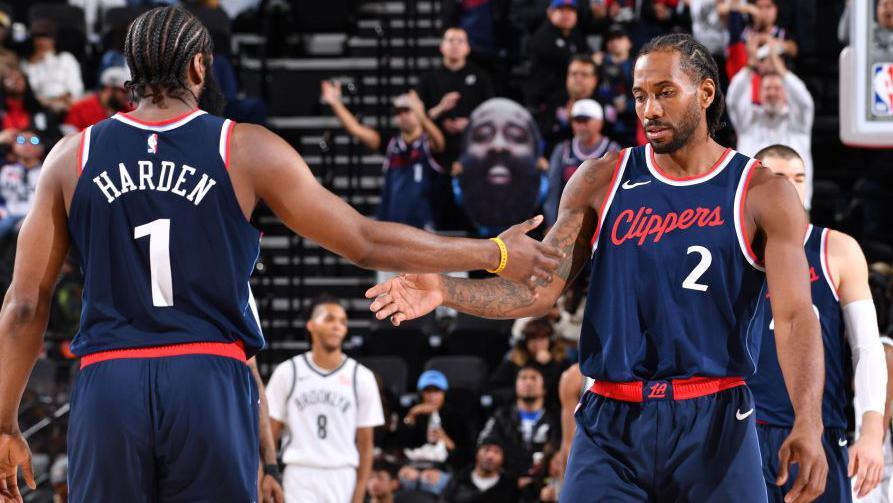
x,y
882,89
153,143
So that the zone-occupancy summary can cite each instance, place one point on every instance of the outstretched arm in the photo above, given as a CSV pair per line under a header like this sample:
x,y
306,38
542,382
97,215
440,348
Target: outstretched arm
x,y
42,245
781,221
331,94
412,296
850,270
265,165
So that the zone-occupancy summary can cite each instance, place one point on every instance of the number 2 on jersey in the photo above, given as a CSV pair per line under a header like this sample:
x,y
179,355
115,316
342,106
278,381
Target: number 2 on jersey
x,y
691,281
159,232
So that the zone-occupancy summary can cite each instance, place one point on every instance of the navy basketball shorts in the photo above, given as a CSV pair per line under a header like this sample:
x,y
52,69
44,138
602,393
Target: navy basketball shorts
x,y
834,440
691,440
171,427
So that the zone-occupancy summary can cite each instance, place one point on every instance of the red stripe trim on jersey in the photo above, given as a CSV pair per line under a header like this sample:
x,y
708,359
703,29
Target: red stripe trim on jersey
x,y
601,210
234,350
750,253
682,389
164,122
229,139
826,262
715,166
80,156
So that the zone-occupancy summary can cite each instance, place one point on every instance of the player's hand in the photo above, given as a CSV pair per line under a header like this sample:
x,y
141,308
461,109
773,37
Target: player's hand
x,y
14,452
866,465
272,490
406,297
804,447
530,262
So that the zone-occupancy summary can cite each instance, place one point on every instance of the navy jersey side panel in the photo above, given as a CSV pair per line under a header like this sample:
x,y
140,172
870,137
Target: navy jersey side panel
x,y
773,405
165,249
673,285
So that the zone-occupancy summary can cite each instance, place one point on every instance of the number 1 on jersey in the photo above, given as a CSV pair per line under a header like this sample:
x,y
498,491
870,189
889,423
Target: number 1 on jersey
x,y
159,232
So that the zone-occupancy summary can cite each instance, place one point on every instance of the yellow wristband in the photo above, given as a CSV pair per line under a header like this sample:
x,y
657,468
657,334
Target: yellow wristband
x,y
503,256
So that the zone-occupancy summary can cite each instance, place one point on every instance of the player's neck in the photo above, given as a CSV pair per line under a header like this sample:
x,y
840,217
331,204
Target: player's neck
x,y
693,159
325,359
387,498
168,108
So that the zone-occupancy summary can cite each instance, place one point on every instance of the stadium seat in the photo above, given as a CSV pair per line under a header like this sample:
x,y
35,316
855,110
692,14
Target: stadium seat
x,y
390,369
487,344
466,372
71,26
415,497
409,344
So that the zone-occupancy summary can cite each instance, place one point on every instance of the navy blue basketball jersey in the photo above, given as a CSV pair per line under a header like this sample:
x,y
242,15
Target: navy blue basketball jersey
x,y
674,283
165,249
773,405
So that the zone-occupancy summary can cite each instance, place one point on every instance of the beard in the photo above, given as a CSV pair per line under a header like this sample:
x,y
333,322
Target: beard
x,y
681,134
211,98
116,104
499,189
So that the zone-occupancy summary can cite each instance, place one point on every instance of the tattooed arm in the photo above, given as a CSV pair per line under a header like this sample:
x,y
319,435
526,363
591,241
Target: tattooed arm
x,y
413,295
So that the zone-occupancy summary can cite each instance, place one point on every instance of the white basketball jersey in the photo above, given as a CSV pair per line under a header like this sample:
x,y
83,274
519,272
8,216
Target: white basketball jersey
x,y
322,410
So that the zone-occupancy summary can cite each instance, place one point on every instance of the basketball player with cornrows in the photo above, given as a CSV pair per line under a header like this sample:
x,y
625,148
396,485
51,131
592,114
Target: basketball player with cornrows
x,y
683,235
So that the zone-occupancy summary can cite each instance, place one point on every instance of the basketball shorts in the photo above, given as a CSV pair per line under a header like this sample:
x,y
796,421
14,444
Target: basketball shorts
x,y
164,428
686,440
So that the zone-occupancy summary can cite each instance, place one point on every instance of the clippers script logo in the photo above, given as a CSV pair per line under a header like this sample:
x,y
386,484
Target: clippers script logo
x,y
643,224
882,89
153,143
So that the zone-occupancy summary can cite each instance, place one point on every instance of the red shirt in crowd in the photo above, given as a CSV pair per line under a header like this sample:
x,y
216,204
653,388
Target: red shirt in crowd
x,y
87,111
16,117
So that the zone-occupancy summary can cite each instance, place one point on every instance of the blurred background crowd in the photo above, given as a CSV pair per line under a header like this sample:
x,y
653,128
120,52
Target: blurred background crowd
x,y
380,98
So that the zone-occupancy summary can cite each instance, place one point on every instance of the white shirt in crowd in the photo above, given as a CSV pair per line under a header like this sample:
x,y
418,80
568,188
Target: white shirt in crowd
x,y
57,74
322,410
17,187
707,27
758,129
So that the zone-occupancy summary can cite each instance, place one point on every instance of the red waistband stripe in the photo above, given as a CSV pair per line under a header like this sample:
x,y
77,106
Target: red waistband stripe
x,y
234,350
678,389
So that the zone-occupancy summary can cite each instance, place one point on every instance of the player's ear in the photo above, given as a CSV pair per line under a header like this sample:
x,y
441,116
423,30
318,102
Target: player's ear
x,y
196,71
707,93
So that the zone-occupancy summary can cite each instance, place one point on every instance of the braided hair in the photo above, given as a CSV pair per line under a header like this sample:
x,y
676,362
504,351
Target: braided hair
x,y
160,45
696,60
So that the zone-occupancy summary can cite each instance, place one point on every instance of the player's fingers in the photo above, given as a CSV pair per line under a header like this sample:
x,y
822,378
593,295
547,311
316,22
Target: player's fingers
x,y
529,224
550,251
397,319
800,483
28,473
851,466
378,289
548,262
387,311
543,277
380,302
784,458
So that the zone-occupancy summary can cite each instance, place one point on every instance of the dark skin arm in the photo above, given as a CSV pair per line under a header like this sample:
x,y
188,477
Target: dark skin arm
x,y
365,446
42,246
271,490
415,295
264,166
775,211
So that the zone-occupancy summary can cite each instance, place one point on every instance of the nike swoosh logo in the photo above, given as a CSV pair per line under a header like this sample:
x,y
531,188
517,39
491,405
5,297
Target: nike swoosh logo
x,y
626,185
741,417
842,442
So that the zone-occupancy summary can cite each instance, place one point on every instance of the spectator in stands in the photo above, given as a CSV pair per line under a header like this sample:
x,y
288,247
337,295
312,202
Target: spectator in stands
x,y
486,481
409,165
59,479
551,48
708,26
883,31
8,57
434,435
20,110
489,33
55,77
525,426
18,180
554,118
383,483
784,114
110,99
588,143
764,28
451,93
616,84
537,348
